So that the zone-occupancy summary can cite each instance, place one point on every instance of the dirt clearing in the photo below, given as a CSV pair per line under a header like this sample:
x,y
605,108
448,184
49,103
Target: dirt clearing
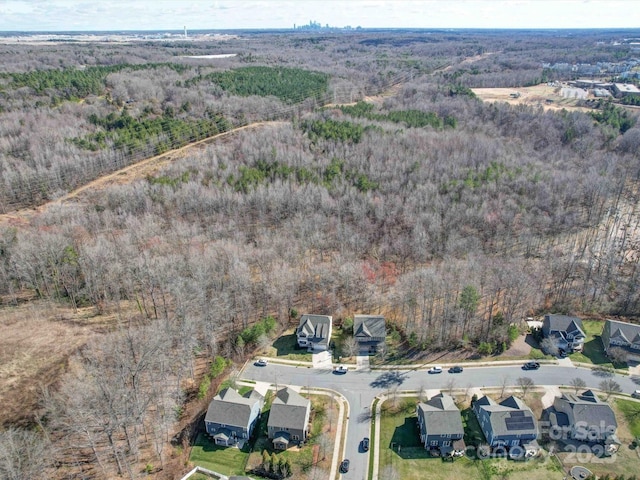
x,y
544,95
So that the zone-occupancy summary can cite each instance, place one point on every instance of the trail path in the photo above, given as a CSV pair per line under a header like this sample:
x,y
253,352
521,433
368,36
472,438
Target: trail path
x,y
124,175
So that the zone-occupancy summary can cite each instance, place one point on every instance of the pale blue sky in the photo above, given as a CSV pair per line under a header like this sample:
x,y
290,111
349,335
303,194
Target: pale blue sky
x,y
61,15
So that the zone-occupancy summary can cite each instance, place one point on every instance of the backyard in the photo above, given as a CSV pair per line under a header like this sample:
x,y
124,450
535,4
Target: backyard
x,y
593,351
401,451
225,460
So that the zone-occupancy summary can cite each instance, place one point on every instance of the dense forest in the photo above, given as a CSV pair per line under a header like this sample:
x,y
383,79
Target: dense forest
x,y
377,182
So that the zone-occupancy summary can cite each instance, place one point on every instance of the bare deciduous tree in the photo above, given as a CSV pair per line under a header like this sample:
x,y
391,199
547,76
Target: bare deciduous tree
x,y
549,346
610,386
577,383
525,384
23,454
350,346
618,355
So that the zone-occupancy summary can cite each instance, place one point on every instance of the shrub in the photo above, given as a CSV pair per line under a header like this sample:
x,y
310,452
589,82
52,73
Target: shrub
x,y
485,348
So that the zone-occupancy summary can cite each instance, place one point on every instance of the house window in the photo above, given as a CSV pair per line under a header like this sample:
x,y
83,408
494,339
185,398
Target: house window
x,y
446,443
295,437
514,443
434,443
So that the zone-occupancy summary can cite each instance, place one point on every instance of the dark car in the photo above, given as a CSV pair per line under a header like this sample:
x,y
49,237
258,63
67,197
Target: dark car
x,y
344,466
455,369
365,444
531,366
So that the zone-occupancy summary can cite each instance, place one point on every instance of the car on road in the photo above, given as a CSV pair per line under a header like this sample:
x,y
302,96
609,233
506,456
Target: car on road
x,y
435,369
261,362
531,366
365,444
636,394
344,466
455,369
340,369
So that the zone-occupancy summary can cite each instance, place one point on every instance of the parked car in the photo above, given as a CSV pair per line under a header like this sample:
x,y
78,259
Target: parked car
x,y
261,363
344,466
636,394
340,369
435,369
455,369
531,366
365,444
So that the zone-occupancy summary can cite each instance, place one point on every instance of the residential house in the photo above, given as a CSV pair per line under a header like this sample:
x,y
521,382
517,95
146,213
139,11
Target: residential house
x,y
623,335
231,417
585,418
314,332
440,423
288,419
509,426
568,332
369,331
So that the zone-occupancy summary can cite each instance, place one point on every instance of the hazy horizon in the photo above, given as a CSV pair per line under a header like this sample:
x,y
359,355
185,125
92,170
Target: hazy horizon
x,y
172,15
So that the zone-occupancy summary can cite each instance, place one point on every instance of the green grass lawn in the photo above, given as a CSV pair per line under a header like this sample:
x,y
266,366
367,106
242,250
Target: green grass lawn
x,y
631,412
286,346
593,351
398,428
225,460
472,433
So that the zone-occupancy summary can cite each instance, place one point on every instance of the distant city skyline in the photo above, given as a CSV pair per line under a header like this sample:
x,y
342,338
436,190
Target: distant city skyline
x,y
115,15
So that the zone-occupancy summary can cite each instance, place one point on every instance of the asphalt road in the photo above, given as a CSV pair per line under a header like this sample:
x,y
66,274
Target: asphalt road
x,y
361,387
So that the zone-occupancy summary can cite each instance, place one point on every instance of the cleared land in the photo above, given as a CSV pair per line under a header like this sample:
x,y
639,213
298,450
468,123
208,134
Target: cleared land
x,y
543,95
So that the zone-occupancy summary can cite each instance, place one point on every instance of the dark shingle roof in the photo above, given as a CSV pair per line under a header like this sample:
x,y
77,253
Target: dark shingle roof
x,y
369,326
621,331
441,416
588,408
230,408
563,323
289,410
509,417
316,327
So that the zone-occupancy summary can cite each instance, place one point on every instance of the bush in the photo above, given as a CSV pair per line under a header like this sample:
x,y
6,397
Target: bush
x,y
204,387
485,348
513,333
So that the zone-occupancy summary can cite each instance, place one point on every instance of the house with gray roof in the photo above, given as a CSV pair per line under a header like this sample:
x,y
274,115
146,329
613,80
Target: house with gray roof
x,y
509,426
440,423
585,418
567,332
314,332
231,417
616,334
369,331
288,419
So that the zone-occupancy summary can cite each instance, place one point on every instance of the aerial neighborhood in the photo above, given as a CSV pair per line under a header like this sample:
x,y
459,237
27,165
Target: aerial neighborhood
x,y
450,421
316,252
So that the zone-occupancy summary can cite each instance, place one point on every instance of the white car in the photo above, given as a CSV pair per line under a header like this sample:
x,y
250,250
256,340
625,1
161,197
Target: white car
x,y
340,369
636,394
435,369
261,362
